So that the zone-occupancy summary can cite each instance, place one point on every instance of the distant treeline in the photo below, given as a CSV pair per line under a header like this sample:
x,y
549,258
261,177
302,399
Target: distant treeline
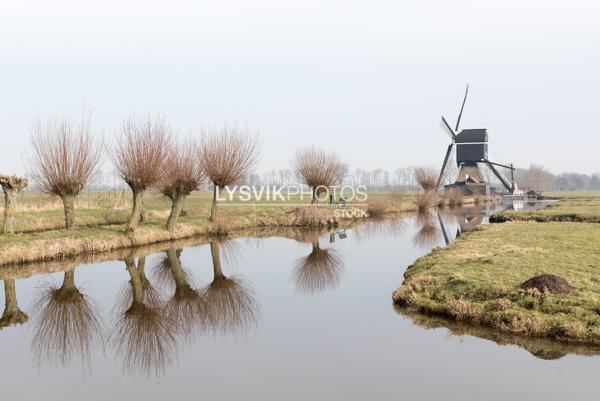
x,y
535,177
539,178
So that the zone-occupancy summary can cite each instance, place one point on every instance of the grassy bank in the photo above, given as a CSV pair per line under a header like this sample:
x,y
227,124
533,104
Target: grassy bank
x,y
40,212
54,244
69,262
571,207
100,219
543,348
478,280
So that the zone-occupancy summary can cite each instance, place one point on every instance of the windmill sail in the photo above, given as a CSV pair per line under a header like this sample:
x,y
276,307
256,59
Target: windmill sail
x,y
462,108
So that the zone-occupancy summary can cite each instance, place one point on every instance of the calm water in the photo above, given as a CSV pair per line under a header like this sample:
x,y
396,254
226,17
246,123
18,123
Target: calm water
x,y
308,318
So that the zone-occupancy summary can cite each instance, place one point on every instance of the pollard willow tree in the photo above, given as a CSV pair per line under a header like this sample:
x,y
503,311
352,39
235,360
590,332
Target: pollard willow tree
x,y
11,185
318,169
183,175
227,156
427,178
141,157
65,158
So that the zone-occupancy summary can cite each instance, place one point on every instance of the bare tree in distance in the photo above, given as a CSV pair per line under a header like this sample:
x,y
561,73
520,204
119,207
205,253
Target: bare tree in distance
x,y
227,156
426,178
11,185
141,157
65,157
318,169
184,175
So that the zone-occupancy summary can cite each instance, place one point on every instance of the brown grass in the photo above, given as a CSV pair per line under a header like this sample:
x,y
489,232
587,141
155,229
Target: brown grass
x,y
397,194
464,311
311,216
425,200
453,198
377,208
222,226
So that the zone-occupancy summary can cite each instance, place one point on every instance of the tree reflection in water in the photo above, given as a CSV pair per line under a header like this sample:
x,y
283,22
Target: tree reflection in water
x,y
12,315
186,307
428,234
321,270
144,333
152,295
374,227
67,323
231,303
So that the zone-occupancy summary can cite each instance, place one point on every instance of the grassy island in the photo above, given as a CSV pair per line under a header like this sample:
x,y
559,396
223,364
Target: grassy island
x,y
481,277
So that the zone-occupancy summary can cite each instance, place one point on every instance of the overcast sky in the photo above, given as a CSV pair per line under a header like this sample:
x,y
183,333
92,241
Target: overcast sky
x,y
368,79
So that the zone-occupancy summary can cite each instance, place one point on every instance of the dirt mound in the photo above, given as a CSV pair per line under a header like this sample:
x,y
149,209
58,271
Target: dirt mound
x,y
548,282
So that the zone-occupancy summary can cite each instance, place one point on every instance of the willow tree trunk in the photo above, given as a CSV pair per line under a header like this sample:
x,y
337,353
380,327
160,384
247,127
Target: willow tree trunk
x,y
135,282
314,196
10,203
69,205
214,208
176,207
10,297
136,212
141,267
216,259
177,270
12,314
69,280
143,213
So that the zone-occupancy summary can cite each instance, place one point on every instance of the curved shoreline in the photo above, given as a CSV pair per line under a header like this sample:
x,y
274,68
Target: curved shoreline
x,y
477,280
61,244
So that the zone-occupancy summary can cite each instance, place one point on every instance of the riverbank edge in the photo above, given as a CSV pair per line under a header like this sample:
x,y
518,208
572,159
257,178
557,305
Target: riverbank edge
x,y
105,238
409,296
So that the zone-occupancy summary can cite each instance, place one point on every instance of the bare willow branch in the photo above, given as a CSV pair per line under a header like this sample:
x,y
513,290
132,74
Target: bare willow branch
x,y
186,307
143,334
426,177
65,157
231,303
182,176
318,169
141,158
321,270
428,235
227,156
67,324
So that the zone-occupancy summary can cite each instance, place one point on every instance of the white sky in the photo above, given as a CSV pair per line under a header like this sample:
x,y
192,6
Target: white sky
x,y
368,79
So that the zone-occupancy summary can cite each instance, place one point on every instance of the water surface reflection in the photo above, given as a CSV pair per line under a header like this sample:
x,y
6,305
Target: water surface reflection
x,y
298,307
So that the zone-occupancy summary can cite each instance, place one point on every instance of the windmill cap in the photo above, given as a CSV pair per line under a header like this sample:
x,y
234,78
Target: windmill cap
x,y
472,135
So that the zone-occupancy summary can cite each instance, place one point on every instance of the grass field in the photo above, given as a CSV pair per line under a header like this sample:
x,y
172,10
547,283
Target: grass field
x,y
572,206
41,212
478,278
100,221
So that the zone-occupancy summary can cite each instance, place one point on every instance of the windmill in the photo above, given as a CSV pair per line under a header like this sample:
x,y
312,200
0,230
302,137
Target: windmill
x,y
471,151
